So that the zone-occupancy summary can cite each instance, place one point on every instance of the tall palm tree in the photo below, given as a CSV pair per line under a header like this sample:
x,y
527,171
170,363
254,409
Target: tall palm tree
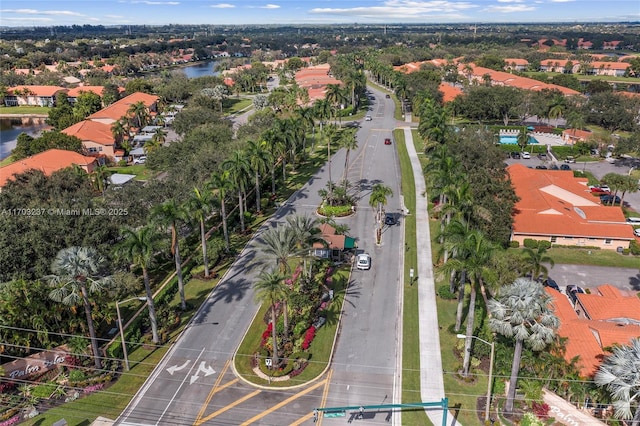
x,y
119,131
259,160
138,247
335,98
322,110
220,184
278,245
78,272
522,311
270,289
239,167
159,136
347,141
139,114
536,260
377,200
619,373
199,206
100,178
170,214
305,232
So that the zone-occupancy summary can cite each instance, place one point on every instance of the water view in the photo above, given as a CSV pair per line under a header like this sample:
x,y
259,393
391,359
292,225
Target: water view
x,y
10,129
200,69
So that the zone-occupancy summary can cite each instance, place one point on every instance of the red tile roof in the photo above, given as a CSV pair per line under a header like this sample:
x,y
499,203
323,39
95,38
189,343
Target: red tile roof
x,y
38,90
554,203
449,93
608,318
76,91
93,131
119,109
329,235
48,161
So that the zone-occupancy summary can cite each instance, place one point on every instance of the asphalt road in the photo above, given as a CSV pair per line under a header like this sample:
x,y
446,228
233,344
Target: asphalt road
x,y
193,384
593,276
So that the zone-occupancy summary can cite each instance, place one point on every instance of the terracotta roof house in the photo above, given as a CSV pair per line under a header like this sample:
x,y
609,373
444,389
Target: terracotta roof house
x,y
559,65
584,44
515,64
611,45
48,161
573,136
333,245
557,207
97,137
599,320
477,74
615,69
120,108
449,93
315,79
32,95
77,91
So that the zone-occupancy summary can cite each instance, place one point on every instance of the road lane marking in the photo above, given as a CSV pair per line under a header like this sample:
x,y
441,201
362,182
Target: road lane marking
x,y
283,403
214,389
325,394
228,407
179,387
302,419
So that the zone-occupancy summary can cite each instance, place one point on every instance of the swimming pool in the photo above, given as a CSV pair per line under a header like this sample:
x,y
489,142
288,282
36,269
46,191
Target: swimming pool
x,y
513,140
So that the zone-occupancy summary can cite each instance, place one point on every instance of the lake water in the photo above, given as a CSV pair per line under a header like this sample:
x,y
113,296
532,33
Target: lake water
x,y
10,129
201,69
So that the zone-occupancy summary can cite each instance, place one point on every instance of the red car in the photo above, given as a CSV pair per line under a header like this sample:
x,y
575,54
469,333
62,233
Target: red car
x,y
387,141
598,190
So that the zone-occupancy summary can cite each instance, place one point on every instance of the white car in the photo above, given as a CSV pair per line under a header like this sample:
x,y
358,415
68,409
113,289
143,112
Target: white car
x,y
140,160
525,155
368,118
363,261
636,232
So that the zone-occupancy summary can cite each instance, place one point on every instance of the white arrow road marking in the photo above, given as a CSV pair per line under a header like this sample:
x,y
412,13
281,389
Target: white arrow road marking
x,y
175,368
206,370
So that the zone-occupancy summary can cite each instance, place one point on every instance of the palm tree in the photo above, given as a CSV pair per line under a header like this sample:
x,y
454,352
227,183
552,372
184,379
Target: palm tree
x,y
523,139
199,206
159,137
100,178
322,110
347,141
619,373
119,131
139,114
170,213
270,289
535,259
377,200
305,232
335,97
259,160
219,184
239,167
138,247
77,273
278,244
522,311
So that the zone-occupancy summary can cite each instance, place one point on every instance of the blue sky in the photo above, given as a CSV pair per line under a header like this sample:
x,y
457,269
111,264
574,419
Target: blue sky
x,y
158,12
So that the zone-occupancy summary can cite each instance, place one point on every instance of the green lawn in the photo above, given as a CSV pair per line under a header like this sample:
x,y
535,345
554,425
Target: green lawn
x,y
236,105
25,110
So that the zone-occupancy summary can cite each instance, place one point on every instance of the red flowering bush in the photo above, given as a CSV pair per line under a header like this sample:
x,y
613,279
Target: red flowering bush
x,y
540,410
267,334
308,337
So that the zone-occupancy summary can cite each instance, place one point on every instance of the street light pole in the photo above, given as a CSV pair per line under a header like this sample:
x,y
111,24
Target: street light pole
x,y
124,343
491,358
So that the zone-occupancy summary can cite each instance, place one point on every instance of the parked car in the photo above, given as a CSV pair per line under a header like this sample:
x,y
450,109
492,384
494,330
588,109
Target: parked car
x,y
388,96
515,155
554,167
541,167
140,160
605,188
525,155
598,190
363,262
551,284
608,198
368,118
387,141
542,156
636,232
573,290
564,167
570,159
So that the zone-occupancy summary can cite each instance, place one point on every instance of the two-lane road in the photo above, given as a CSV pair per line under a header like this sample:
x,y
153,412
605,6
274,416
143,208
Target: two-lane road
x,y
194,383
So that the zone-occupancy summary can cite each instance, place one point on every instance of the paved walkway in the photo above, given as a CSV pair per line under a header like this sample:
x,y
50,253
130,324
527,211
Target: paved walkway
x,y
431,381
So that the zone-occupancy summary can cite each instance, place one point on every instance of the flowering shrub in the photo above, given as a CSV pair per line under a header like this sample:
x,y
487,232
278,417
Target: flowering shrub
x,y
12,421
93,388
308,337
323,306
5,386
540,410
267,334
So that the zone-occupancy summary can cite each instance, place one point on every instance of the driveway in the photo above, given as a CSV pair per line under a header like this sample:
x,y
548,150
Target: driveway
x,y
587,276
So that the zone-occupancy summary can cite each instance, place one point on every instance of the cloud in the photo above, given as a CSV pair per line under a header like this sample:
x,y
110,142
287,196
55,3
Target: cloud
x,y
511,9
403,9
270,6
222,6
562,1
158,3
510,1
42,12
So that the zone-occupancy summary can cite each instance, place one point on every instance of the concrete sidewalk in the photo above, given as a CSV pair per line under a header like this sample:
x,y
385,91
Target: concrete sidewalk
x,y
431,381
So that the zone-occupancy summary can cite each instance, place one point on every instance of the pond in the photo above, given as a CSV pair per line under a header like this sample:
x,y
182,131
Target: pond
x,y
10,129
